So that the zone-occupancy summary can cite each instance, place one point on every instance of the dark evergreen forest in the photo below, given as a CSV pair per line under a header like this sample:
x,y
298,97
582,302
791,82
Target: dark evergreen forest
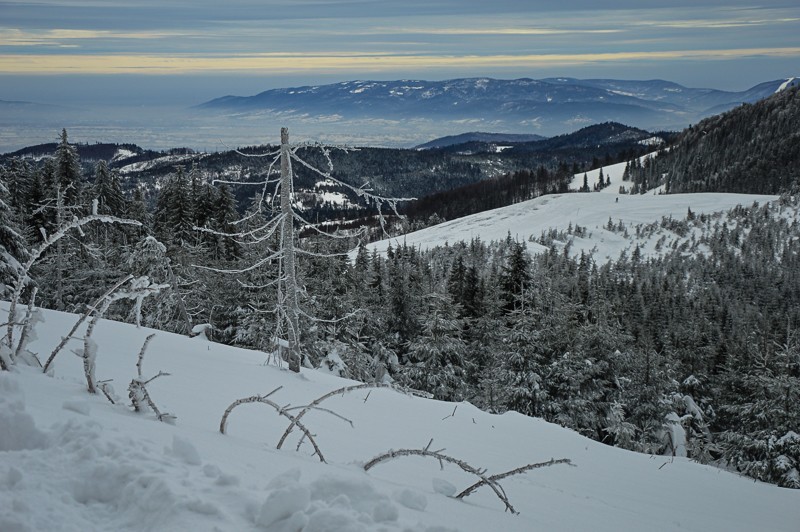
x,y
754,149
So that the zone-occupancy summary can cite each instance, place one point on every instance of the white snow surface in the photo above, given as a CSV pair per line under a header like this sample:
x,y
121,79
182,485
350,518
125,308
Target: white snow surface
x,y
527,220
70,461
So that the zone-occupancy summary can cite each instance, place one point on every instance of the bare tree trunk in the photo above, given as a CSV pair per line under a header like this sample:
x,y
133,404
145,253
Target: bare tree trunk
x,y
291,303
59,253
173,281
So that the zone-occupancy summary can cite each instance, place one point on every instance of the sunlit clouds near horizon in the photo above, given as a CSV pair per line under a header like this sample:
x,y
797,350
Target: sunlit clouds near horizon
x,y
441,37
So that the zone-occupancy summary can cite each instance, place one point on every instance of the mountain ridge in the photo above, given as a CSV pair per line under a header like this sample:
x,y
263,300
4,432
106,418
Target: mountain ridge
x,y
547,107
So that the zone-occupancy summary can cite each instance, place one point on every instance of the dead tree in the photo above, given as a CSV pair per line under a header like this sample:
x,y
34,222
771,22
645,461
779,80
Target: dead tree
x,y
287,310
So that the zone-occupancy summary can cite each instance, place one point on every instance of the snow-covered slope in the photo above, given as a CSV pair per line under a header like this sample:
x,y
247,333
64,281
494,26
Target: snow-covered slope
x,y
72,461
527,220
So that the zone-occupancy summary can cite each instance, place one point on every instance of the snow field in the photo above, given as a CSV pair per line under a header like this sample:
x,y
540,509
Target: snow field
x,y
527,220
72,461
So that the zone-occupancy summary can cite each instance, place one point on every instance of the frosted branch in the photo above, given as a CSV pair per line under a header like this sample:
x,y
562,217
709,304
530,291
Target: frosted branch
x,y
280,410
317,401
137,389
517,471
480,473
22,277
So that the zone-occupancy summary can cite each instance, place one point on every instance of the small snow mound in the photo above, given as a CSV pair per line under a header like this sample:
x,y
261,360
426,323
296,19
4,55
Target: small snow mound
x,y
79,407
282,505
411,499
9,524
202,507
289,477
333,520
185,451
202,331
11,478
17,428
359,495
443,487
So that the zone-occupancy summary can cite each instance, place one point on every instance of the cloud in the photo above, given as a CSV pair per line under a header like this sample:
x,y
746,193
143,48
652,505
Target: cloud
x,y
60,37
492,31
340,61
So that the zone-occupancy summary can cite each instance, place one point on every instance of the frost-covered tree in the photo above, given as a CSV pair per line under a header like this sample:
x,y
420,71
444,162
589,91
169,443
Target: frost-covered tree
x,y
282,226
762,397
173,217
436,356
13,248
68,176
107,191
515,275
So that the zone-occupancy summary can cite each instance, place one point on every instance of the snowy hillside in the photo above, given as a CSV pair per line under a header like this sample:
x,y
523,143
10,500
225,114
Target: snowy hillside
x,y
72,461
527,221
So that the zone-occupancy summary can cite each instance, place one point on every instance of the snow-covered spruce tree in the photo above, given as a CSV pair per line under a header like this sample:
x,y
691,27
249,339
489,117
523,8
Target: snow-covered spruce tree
x,y
516,274
435,359
107,191
13,248
174,210
68,175
522,365
165,310
762,396
282,224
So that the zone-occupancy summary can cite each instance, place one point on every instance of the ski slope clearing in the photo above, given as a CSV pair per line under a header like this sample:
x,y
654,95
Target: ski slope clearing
x,y
612,173
70,461
526,221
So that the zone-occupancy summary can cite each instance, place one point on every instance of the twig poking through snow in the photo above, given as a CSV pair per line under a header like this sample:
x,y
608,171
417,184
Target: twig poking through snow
x,y
137,389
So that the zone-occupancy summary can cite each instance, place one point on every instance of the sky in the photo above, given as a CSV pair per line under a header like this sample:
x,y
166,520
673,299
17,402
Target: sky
x,y
189,51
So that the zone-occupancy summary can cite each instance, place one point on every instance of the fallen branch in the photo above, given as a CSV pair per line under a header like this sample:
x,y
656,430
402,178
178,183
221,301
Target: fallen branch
x,y
315,403
517,471
480,473
280,410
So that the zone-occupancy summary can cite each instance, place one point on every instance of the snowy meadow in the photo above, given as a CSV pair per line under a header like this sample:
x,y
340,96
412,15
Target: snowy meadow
x,y
73,461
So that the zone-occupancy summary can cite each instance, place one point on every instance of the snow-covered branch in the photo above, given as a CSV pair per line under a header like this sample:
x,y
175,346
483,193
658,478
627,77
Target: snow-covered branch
x,y
315,403
22,277
480,473
517,471
137,389
282,411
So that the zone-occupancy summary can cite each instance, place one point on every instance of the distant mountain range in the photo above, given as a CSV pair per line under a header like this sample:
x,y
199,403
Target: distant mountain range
x,y
548,107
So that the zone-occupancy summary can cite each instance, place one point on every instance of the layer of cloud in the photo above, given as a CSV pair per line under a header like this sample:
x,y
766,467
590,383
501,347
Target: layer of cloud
x,y
362,62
